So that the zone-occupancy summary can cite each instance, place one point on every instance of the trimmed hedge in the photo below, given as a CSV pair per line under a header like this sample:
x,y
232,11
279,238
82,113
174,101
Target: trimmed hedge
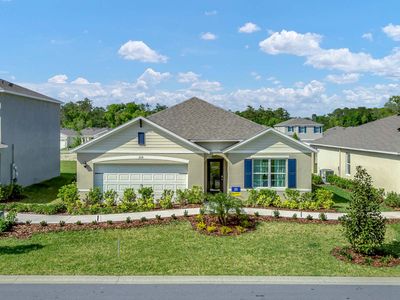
x,y
52,208
343,183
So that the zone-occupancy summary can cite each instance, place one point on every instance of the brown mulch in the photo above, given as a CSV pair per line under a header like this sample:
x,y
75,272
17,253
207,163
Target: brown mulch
x,y
347,254
234,223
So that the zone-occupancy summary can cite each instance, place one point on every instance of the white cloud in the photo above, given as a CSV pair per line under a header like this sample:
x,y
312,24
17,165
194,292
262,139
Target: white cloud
x,y
80,80
188,77
138,50
308,45
255,75
368,36
210,13
249,28
60,78
206,86
150,78
208,36
343,78
392,31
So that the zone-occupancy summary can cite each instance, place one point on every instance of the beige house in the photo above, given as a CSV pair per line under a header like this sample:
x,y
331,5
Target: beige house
x,y
374,146
194,143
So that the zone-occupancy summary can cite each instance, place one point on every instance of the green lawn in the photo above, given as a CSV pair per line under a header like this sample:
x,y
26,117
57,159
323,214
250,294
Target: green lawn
x,y
340,196
275,248
46,191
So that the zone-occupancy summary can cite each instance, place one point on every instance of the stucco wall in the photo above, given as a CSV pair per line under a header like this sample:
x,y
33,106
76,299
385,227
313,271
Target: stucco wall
x,y
33,127
384,168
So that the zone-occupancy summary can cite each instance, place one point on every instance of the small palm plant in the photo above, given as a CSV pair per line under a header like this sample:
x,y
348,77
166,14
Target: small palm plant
x,y
222,206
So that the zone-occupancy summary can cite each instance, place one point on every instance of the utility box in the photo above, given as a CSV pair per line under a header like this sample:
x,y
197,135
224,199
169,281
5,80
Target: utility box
x,y
324,173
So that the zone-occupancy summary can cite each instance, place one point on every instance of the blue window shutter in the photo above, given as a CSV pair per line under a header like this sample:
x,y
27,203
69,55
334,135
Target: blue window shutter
x,y
248,173
292,173
141,138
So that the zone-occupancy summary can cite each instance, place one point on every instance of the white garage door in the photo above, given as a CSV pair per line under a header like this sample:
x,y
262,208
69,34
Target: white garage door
x,y
159,177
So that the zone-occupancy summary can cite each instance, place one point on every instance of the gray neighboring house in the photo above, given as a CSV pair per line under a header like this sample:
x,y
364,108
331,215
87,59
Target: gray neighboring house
x,y
374,146
194,143
29,135
306,130
67,136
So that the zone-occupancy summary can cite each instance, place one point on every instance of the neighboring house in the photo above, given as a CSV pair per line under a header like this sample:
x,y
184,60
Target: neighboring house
x,y
29,135
305,129
193,143
68,136
374,146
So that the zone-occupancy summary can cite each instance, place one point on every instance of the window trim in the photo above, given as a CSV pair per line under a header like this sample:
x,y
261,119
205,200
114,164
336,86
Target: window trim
x,y
140,133
269,186
305,129
317,129
347,165
290,128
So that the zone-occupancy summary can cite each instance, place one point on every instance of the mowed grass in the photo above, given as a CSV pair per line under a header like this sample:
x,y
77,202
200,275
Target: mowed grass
x,y
275,248
341,197
47,191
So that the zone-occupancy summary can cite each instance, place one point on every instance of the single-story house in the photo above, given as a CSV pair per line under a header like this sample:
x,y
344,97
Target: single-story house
x,y
374,146
29,135
305,129
194,143
67,136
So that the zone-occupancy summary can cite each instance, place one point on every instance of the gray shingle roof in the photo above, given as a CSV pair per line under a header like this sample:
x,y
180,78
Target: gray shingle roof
x,y
298,122
94,131
6,86
196,119
68,132
382,135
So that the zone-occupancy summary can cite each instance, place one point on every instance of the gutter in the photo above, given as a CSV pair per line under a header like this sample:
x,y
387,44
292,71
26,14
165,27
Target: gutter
x,y
356,149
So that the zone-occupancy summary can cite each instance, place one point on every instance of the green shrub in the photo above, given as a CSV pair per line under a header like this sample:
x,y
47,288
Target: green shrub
x,y
185,213
62,223
4,193
79,222
294,216
8,222
222,205
392,199
309,217
49,209
15,191
166,199
343,183
195,195
225,230
323,217
201,225
28,222
109,222
316,179
43,223
143,219
94,222
146,192
211,229
129,195
240,229
174,217
128,220
263,197
292,195
158,217
94,196
324,198
68,193
276,213
256,214
364,226
110,197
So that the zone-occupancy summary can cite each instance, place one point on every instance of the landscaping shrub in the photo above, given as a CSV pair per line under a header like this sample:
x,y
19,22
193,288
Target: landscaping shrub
x,y
94,196
110,197
225,230
294,216
43,223
323,217
392,199
68,193
222,205
316,179
309,217
166,199
146,192
62,223
364,226
52,208
143,219
79,222
211,228
128,220
263,197
158,217
185,213
174,217
195,195
11,192
276,213
8,222
201,225
292,195
324,198
343,183
129,195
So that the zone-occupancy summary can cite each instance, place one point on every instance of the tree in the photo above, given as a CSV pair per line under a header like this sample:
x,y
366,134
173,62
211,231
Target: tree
x,y
364,226
295,136
393,105
264,116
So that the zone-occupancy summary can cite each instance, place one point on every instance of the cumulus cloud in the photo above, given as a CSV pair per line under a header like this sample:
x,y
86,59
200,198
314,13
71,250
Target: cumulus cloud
x,y
60,78
188,77
343,78
249,28
151,78
392,31
208,36
206,86
368,36
255,75
308,45
138,50
80,80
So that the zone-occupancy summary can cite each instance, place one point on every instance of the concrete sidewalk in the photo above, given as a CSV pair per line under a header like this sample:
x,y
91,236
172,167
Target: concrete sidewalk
x,y
53,219
274,280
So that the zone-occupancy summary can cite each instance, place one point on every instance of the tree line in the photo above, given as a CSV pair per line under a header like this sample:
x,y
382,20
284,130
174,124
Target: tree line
x,y
83,114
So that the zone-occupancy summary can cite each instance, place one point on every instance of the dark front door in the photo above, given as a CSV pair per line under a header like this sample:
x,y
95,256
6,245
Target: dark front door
x,y
215,175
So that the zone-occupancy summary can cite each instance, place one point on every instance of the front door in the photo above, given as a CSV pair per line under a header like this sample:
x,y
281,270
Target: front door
x,y
215,175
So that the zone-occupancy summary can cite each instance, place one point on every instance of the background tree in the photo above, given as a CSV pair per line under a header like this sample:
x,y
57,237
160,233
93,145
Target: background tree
x,y
364,226
264,116
393,105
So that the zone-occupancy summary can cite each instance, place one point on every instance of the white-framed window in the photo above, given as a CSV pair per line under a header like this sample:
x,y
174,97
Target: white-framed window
x,y
269,172
317,129
290,129
348,164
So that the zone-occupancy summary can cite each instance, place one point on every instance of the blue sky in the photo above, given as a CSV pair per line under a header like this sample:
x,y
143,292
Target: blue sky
x,y
306,56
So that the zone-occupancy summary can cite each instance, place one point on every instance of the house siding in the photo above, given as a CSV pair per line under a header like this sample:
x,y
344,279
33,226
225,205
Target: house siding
x,y
383,168
308,136
33,127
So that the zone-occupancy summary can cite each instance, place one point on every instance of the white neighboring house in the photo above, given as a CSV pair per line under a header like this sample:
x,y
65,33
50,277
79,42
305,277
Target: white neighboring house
x,y
374,146
305,129
67,136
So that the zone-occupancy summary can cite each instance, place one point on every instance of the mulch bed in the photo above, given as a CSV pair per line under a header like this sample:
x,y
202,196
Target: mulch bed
x,y
235,225
347,254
